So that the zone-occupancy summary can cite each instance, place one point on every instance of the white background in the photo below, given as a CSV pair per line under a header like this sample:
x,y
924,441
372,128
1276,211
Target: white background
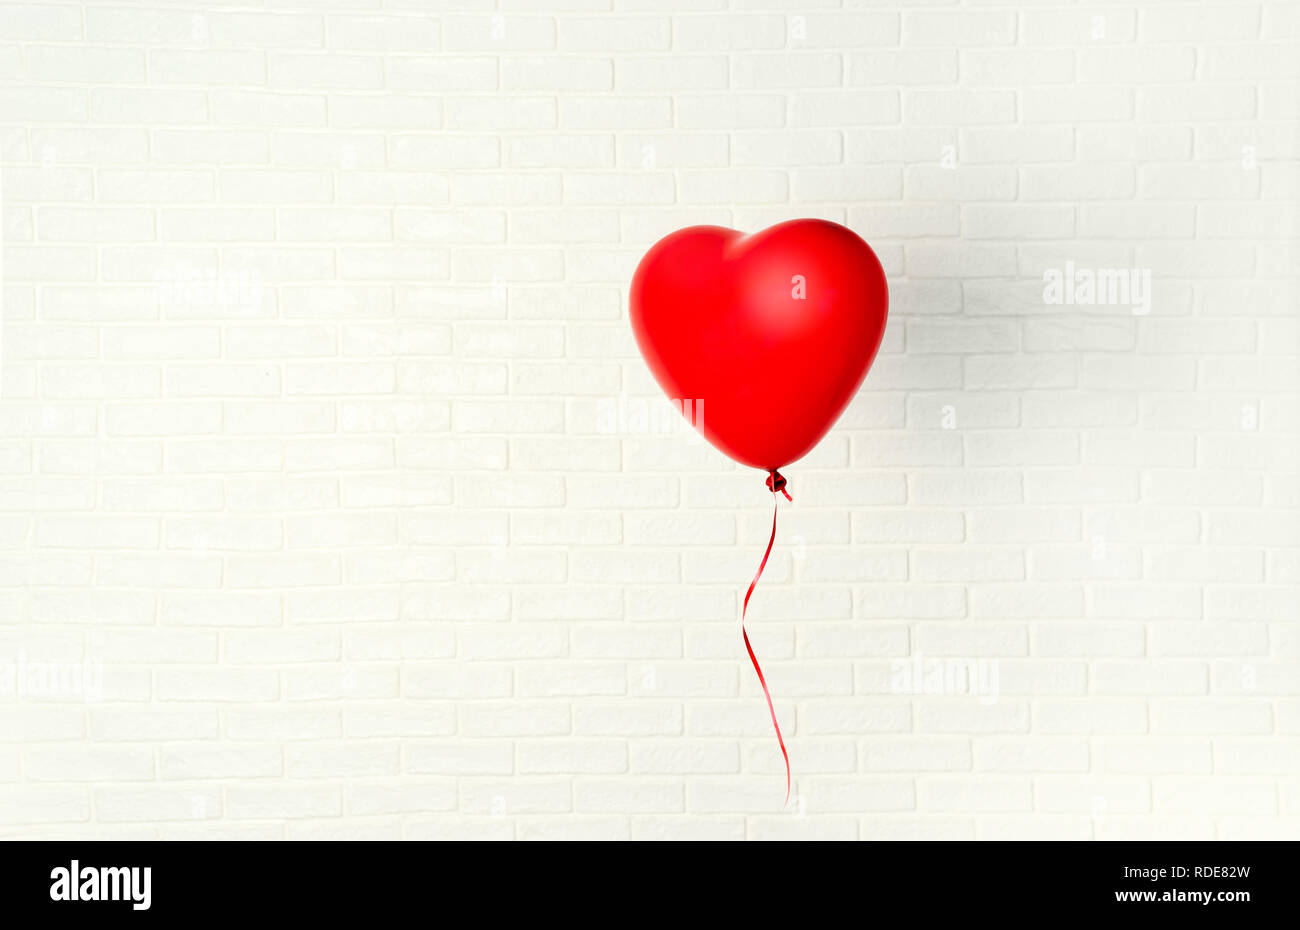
x,y
327,472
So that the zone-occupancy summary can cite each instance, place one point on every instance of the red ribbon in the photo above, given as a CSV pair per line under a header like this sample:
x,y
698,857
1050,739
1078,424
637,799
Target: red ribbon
x,y
774,483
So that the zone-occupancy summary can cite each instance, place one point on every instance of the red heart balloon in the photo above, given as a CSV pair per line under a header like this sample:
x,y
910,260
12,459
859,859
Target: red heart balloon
x,y
767,336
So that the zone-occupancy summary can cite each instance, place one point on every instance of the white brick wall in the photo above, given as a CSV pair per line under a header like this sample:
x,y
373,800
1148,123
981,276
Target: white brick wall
x,y
335,500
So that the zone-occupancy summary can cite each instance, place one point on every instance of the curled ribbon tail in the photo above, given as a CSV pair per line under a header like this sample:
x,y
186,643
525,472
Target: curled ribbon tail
x,y
775,482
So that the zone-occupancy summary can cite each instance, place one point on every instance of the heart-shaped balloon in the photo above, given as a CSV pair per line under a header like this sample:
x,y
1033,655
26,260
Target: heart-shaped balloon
x,y
763,339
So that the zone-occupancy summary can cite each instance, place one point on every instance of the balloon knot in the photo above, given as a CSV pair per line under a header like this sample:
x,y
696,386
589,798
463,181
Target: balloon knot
x,y
775,482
